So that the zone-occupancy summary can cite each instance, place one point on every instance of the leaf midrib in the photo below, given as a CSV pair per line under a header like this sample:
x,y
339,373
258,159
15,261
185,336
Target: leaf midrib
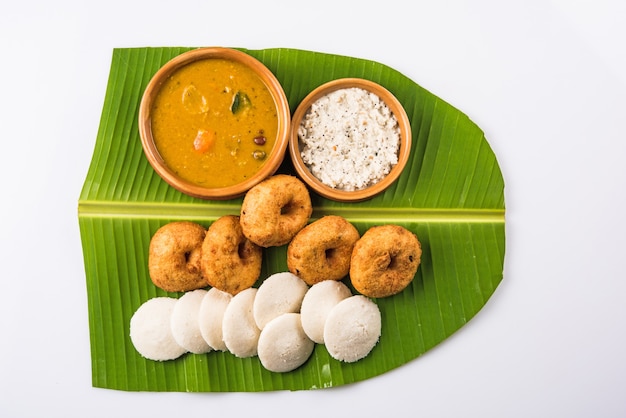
x,y
198,211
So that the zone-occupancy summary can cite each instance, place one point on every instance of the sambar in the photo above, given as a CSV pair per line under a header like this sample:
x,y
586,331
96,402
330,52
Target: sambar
x,y
214,122
195,123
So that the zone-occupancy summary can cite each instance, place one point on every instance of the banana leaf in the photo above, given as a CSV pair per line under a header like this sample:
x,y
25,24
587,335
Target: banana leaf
x,y
451,195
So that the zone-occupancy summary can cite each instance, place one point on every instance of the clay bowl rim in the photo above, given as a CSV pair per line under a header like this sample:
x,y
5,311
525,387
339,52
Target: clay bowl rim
x,y
275,158
403,153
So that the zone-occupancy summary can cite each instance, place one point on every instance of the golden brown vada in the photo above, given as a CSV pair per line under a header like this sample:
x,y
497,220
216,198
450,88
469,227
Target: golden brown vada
x,y
322,250
174,257
384,261
275,210
230,261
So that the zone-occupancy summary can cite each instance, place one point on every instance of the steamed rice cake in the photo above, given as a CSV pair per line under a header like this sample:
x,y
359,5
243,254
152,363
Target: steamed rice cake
x,y
150,330
283,344
352,328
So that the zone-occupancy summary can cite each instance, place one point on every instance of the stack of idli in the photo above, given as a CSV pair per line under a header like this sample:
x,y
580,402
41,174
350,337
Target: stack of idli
x,y
283,345
348,325
280,322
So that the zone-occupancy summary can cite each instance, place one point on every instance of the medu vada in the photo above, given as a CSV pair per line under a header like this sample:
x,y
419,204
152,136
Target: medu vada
x,y
275,210
230,261
384,261
322,250
174,257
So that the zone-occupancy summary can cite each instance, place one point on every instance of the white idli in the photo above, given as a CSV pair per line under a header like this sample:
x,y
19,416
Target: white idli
x,y
185,324
278,294
239,330
211,315
283,345
352,328
316,305
150,330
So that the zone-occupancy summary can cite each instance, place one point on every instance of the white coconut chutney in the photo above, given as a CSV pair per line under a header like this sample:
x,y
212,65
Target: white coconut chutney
x,y
349,139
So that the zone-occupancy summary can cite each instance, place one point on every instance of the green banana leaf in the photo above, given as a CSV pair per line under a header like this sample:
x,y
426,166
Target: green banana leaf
x,y
451,195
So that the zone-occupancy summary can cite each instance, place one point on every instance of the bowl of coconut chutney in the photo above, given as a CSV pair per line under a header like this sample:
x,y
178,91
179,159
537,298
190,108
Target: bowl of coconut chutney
x,y
350,139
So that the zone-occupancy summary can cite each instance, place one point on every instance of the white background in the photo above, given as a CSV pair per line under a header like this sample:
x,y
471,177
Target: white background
x,y
545,80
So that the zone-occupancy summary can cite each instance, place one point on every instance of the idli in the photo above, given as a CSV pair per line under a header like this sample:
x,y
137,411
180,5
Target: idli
x,y
239,330
150,330
317,303
352,328
185,324
283,344
278,294
211,315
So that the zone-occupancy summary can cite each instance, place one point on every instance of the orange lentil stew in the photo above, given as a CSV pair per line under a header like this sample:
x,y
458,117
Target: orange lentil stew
x,y
214,122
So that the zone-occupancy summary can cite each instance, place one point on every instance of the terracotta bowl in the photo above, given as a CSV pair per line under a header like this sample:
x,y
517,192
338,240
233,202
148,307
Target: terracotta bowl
x,y
295,143
273,159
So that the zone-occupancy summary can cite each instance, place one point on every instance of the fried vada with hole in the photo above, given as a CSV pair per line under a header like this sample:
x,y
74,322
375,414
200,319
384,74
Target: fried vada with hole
x,y
174,257
275,210
230,261
322,250
384,261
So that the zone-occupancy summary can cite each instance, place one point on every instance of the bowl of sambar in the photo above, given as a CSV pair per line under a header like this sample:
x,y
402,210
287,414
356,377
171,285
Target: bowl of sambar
x,y
214,122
